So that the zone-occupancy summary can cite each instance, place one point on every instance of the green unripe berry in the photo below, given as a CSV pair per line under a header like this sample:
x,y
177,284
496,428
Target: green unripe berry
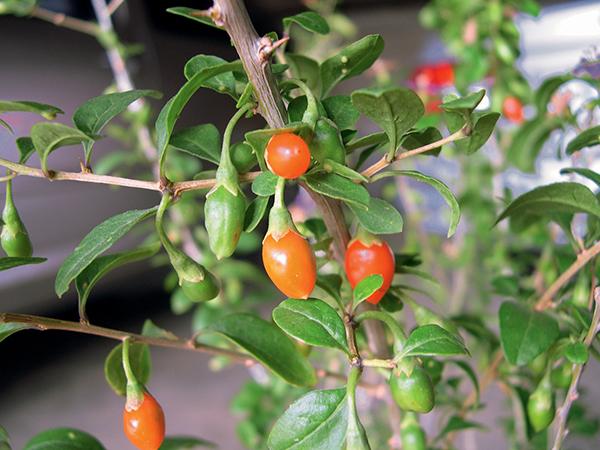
x,y
540,406
14,238
413,392
201,291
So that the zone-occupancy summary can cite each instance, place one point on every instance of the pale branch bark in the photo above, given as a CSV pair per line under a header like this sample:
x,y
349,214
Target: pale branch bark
x,y
61,20
177,188
562,415
384,161
46,324
545,301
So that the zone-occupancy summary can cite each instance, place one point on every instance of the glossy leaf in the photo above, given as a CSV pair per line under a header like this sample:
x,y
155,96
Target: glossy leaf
x,y
224,83
95,113
343,170
366,287
47,137
139,359
350,61
380,217
577,353
185,443
432,340
46,111
7,329
544,93
587,173
264,185
188,13
255,212
304,68
311,321
26,149
554,198
394,110
464,105
100,239
443,190
150,329
528,141
63,439
201,141
309,20
269,345
481,132
587,138
316,421
338,187
524,333
99,267
418,138
173,108
9,262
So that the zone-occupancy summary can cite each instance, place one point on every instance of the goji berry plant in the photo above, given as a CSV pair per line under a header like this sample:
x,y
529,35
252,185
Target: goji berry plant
x,y
348,314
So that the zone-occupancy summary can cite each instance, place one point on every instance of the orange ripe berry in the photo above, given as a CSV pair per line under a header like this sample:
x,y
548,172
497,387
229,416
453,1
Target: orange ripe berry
x,y
287,155
145,426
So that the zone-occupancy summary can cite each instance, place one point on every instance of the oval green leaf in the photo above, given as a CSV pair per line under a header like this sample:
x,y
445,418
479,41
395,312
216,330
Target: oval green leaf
x,y
264,185
46,111
14,261
201,141
47,137
312,321
140,361
338,187
587,138
185,443
269,345
64,439
366,287
380,217
309,20
432,340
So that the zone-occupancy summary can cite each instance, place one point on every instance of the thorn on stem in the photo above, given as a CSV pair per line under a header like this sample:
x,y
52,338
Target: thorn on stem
x,y
266,47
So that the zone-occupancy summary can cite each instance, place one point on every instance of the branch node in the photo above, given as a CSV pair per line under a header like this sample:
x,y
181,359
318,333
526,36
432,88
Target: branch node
x,y
266,47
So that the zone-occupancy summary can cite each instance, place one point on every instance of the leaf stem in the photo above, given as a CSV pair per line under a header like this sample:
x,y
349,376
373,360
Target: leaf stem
x,y
386,161
545,301
383,363
134,389
562,415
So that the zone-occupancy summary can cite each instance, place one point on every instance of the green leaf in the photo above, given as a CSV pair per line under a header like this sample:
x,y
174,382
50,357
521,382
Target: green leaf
x,y
305,68
150,329
269,345
309,20
587,173
444,191
577,353
264,185
87,279
100,239
26,149
464,105
330,283
587,138
46,111
468,370
7,329
4,439
366,287
544,93
432,340
481,132
63,439
370,140
350,61
338,187
380,217
311,321
255,212
340,109
316,421
343,170
224,83
528,141
394,110
188,13
140,361
201,141
185,443
47,137
94,114
14,261
9,128
457,423
173,108
524,333
418,138
554,198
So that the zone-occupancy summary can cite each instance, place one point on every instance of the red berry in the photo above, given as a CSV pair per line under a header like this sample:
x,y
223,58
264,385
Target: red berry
x,y
512,108
290,264
363,260
443,74
145,426
287,155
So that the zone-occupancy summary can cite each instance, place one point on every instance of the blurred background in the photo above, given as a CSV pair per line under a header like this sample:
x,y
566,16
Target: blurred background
x,y
57,379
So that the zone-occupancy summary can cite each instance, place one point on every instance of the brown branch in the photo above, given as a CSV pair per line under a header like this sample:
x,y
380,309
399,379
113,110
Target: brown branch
x,y
113,6
583,258
61,20
562,415
58,175
384,161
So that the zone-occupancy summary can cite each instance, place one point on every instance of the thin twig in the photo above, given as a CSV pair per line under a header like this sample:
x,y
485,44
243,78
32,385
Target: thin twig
x,y
562,415
112,7
58,175
61,20
586,255
384,161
